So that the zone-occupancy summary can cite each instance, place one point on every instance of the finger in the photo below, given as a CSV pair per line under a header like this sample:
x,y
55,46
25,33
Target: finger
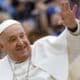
x,y
62,6
65,5
74,10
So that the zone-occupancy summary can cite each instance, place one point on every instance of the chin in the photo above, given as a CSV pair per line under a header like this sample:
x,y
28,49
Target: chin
x,y
22,57
23,54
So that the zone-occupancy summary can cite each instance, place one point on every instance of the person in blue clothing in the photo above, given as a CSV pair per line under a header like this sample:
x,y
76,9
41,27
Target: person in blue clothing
x,y
56,26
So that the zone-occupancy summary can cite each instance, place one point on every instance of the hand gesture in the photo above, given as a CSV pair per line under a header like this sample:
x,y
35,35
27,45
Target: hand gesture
x,y
68,15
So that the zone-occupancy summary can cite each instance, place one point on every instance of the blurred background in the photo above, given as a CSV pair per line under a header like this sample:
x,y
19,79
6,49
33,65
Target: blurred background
x,y
38,17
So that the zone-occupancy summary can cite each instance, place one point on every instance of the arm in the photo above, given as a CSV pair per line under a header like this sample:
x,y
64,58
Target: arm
x,y
69,19
76,30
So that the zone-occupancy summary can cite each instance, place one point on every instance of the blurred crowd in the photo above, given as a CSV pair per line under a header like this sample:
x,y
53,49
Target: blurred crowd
x,y
39,17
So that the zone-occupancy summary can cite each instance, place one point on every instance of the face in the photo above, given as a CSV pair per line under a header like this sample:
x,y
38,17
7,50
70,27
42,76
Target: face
x,y
56,21
16,44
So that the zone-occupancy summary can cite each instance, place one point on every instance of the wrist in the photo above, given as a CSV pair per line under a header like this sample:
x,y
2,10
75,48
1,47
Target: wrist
x,y
74,29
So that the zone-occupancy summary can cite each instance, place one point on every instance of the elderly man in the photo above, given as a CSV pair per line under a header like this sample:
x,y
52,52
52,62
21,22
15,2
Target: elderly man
x,y
17,65
60,56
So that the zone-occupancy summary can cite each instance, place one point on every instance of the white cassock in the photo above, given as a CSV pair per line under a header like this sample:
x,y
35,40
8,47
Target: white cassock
x,y
59,56
35,73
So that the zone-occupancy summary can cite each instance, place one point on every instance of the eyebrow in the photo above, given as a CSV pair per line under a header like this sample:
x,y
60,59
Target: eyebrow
x,y
12,36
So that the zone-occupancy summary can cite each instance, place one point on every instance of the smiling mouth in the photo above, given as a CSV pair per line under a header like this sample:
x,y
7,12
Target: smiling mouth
x,y
21,48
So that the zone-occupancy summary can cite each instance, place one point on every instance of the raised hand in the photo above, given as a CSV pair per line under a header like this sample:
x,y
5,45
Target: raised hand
x,y
68,15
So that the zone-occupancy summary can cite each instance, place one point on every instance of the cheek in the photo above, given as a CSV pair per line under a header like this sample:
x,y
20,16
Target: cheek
x,y
11,47
27,44
7,49
26,40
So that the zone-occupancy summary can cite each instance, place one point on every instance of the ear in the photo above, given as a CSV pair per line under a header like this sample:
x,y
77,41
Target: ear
x,y
1,47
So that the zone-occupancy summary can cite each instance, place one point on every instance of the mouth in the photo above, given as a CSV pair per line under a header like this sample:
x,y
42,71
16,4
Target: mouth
x,y
21,49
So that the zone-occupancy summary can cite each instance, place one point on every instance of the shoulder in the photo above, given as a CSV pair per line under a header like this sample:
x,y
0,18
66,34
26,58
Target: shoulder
x,y
3,60
45,40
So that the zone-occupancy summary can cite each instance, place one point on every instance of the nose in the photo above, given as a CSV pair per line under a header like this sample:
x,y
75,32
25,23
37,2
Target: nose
x,y
19,42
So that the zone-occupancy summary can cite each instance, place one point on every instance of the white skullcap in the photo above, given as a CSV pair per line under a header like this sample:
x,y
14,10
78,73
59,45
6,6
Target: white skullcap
x,y
7,23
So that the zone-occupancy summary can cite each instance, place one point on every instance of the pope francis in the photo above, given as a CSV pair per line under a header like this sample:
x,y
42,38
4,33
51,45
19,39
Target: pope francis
x,y
17,64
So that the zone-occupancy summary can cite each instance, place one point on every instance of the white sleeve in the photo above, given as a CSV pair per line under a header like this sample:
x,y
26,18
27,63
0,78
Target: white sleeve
x,y
77,32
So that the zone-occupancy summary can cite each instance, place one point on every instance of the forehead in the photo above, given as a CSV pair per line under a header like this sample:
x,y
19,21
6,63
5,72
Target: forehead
x,y
14,30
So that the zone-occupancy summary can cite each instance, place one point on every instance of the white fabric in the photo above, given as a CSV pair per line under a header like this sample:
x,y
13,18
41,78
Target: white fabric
x,y
51,53
7,23
35,72
20,70
75,69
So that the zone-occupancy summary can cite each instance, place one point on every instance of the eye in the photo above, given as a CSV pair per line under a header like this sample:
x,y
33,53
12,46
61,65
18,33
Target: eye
x,y
12,39
22,35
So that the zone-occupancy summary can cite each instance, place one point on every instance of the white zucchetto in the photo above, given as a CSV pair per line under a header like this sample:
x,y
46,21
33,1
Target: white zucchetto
x,y
7,23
